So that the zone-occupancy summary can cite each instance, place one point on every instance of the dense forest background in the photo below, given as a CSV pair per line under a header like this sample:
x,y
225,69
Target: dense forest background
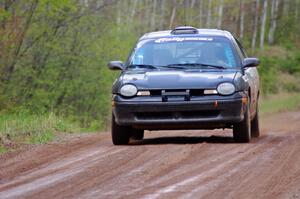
x,y
53,53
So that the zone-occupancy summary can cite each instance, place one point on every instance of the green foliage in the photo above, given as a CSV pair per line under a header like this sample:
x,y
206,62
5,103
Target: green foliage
x,y
36,128
280,73
276,103
291,87
291,64
2,149
63,64
60,69
268,75
42,138
4,15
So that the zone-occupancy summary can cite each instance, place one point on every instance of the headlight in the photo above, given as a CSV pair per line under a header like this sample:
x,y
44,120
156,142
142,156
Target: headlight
x,y
128,90
226,88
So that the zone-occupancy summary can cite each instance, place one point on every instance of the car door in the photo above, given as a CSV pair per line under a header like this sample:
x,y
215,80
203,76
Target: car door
x,y
251,76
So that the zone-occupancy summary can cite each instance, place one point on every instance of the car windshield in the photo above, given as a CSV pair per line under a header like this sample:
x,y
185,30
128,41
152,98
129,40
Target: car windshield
x,y
184,52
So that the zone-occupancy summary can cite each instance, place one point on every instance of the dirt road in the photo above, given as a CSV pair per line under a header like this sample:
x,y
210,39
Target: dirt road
x,y
178,164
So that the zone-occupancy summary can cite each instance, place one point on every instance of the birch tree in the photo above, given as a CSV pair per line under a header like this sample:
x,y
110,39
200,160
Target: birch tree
x,y
208,19
200,13
133,10
286,7
191,6
255,26
273,21
153,17
242,16
263,24
296,9
173,14
162,13
220,14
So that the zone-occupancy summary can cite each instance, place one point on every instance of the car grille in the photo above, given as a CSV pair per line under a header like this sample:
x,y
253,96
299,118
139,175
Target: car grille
x,y
193,92
177,115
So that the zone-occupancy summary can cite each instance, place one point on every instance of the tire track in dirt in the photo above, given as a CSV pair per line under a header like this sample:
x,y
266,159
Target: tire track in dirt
x,y
208,186
52,174
205,174
180,164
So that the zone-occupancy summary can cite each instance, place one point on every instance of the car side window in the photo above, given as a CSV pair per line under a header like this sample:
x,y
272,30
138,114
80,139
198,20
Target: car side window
x,y
241,49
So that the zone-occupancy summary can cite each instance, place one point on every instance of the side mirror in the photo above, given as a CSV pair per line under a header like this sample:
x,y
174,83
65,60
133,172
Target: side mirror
x,y
250,62
115,65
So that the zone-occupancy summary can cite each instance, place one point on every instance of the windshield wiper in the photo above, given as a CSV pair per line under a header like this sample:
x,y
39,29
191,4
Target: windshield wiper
x,y
186,66
175,66
213,66
142,66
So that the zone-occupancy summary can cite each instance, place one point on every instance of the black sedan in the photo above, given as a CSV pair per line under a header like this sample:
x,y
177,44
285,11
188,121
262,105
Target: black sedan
x,y
185,78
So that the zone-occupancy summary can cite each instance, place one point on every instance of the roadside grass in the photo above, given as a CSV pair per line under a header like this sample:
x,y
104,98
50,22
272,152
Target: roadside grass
x,y
2,149
279,102
23,127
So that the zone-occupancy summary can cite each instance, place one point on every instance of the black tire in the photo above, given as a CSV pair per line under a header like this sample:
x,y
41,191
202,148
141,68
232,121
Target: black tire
x,y
242,130
120,134
137,134
255,125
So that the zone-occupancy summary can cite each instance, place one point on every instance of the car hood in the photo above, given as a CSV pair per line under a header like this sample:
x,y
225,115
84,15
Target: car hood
x,y
177,79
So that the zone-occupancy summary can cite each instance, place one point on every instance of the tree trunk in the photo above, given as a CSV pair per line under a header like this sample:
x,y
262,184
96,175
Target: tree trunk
x,y
153,17
162,13
273,21
286,7
190,5
263,24
242,16
172,17
255,26
147,8
133,10
10,68
220,14
119,14
297,11
200,13
208,19
186,5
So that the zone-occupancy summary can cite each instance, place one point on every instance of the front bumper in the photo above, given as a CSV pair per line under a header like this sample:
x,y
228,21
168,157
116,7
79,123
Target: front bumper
x,y
207,112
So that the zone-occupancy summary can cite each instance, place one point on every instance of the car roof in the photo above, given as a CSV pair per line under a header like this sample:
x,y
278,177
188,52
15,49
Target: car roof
x,y
199,32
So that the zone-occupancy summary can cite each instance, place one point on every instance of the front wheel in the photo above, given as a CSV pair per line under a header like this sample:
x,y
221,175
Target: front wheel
x,y
120,134
242,130
255,132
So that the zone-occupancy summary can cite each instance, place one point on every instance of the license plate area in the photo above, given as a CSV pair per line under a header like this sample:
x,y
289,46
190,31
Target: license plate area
x,y
175,95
